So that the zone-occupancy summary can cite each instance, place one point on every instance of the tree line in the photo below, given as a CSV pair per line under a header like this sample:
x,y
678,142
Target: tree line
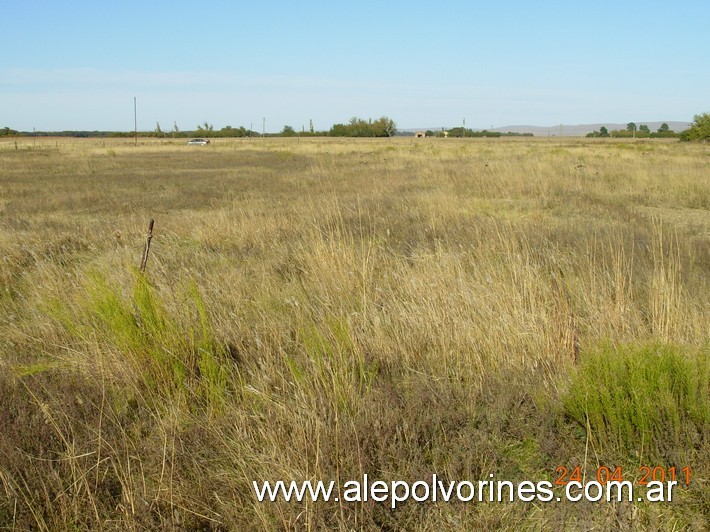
x,y
461,132
699,130
632,131
356,127
381,127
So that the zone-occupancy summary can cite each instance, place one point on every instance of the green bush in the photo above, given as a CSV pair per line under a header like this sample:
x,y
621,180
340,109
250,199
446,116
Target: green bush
x,y
699,129
642,401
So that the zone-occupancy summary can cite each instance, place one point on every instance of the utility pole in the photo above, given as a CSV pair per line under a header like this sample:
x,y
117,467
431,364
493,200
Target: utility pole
x,y
135,121
263,128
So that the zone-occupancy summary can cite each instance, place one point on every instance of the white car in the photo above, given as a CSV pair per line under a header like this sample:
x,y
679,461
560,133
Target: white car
x,y
198,142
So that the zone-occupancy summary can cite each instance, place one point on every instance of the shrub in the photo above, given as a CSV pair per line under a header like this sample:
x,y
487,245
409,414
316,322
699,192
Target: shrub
x,y
699,129
646,401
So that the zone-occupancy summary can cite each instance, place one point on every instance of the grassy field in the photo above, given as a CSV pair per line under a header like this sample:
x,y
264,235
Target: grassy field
x,y
324,309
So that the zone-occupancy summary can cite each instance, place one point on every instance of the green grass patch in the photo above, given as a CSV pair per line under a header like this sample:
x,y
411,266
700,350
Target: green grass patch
x,y
332,362
177,351
26,370
651,402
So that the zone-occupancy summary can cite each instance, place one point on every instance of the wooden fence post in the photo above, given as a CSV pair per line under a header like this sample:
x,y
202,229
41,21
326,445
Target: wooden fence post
x,y
148,238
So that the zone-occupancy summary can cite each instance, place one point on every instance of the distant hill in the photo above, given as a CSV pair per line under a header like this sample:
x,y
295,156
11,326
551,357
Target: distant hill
x,y
578,130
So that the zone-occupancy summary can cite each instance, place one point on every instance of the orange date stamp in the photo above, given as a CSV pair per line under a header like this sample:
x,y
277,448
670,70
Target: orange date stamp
x,y
645,475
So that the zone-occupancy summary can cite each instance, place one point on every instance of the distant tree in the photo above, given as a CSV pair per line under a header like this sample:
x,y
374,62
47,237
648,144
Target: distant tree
x,y
390,126
310,126
229,131
603,132
621,133
288,131
699,129
7,132
631,127
643,131
205,130
158,131
358,127
383,127
664,132
458,132
339,130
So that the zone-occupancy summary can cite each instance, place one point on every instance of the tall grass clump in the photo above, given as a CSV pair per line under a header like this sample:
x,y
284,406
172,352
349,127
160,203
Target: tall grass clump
x,y
650,402
176,354
328,360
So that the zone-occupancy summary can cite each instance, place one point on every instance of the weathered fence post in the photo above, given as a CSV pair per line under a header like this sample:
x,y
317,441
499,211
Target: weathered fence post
x,y
148,238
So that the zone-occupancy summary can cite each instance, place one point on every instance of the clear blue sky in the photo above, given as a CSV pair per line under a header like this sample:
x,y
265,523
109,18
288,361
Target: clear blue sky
x,y
77,64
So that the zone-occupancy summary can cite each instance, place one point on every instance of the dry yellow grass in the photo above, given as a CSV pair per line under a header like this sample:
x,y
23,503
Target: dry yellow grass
x,y
327,308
